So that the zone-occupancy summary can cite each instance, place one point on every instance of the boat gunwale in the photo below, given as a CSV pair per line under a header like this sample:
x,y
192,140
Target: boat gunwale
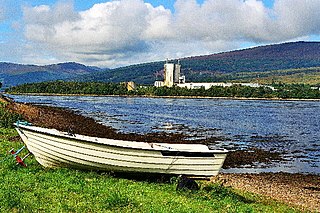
x,y
177,153
23,127
110,165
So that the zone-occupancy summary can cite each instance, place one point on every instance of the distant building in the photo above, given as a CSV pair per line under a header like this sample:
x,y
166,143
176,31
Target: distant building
x,y
172,77
130,85
219,84
158,83
171,73
203,85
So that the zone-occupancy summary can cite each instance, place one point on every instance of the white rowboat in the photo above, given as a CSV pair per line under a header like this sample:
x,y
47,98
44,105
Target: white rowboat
x,y
53,148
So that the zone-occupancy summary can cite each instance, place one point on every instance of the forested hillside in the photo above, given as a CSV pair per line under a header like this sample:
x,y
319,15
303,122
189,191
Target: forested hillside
x,y
296,60
13,74
139,73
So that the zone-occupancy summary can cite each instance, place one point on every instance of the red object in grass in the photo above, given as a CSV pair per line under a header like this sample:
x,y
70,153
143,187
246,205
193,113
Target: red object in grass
x,y
18,159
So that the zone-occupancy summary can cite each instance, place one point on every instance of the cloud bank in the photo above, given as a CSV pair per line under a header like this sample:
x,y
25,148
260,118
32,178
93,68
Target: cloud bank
x,y
130,31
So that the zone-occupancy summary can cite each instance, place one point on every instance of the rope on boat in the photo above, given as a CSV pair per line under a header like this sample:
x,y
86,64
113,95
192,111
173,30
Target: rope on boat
x,y
174,159
167,147
24,123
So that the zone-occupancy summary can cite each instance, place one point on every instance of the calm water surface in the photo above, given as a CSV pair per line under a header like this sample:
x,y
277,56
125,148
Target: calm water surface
x,y
289,127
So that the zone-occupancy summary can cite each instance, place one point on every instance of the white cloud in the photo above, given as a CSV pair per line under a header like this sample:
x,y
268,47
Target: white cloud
x,y
42,22
2,14
159,21
2,10
131,31
117,28
297,18
221,20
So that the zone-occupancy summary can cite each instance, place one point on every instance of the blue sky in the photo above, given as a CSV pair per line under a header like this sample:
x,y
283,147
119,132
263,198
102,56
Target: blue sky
x,y
116,33
82,5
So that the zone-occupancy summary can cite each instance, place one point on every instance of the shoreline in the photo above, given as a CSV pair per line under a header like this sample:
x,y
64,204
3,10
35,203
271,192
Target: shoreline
x,y
299,190
173,97
65,120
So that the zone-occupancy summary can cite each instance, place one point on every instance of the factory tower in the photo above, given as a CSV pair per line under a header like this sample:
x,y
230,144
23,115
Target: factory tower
x,y
171,73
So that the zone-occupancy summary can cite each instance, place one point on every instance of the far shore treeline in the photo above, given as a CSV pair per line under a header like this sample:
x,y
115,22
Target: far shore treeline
x,y
296,91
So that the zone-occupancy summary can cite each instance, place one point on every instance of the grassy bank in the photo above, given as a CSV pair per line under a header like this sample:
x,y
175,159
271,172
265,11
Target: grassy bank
x,y
64,190
36,189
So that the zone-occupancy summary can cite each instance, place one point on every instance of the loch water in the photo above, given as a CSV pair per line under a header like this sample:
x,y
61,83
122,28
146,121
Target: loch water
x,y
288,127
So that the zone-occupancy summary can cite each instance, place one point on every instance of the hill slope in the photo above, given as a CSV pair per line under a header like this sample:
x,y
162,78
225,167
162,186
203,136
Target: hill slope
x,y
295,62
14,74
248,64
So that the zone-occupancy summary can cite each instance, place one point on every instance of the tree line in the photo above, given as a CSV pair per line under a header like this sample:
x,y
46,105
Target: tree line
x,y
62,87
299,91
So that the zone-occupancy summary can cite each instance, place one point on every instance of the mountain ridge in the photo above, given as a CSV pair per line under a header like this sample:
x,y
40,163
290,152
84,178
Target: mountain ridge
x,y
267,50
224,66
294,59
13,74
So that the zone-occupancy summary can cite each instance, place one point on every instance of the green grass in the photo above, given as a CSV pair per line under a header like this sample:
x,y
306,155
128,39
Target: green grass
x,y
7,118
309,76
36,189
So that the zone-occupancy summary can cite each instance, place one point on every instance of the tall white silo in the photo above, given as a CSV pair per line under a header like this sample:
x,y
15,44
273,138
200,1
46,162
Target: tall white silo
x,y
171,74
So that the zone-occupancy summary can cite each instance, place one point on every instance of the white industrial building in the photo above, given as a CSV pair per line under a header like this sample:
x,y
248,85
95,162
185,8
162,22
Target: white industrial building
x,y
171,74
172,78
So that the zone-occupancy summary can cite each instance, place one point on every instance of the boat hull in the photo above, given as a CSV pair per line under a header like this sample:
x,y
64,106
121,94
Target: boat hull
x,y
52,148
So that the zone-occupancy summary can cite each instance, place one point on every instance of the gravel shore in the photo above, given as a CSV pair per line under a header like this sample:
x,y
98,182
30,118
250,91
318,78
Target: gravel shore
x,y
298,190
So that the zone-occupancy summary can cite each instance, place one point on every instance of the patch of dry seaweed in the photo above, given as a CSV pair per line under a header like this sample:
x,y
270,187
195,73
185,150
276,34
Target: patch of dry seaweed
x,y
240,158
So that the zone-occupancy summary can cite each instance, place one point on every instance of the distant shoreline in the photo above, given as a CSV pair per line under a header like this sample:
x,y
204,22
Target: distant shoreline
x,y
175,97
